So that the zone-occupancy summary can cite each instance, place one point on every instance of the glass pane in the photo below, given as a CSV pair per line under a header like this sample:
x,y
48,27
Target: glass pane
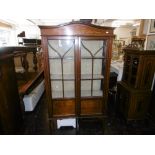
x,y
86,88
86,66
61,61
97,88
68,67
60,48
57,91
98,68
61,57
69,89
92,48
92,67
55,67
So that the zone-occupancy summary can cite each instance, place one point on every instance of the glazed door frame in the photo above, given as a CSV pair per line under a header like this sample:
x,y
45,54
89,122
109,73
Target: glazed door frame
x,y
77,71
47,70
107,59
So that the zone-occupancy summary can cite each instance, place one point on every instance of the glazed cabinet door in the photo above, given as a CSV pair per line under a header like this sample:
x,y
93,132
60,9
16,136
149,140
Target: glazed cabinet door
x,y
62,71
92,73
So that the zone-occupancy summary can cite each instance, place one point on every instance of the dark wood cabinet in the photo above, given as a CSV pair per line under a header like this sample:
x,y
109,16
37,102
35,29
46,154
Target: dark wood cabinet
x,y
134,91
133,103
10,112
77,67
139,67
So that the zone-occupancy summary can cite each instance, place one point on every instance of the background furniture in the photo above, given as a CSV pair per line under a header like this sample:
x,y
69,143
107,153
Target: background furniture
x,y
138,68
133,103
14,88
29,73
139,41
10,109
77,66
134,91
20,37
117,49
31,42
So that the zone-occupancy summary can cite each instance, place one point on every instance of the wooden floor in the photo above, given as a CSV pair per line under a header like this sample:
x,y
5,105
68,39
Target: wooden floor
x,y
36,123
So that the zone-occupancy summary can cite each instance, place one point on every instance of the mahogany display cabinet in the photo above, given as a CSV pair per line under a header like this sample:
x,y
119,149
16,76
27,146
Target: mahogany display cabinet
x,y
77,60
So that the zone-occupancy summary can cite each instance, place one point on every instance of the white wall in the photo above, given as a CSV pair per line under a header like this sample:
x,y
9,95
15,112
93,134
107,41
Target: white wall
x,y
123,34
31,31
7,36
11,38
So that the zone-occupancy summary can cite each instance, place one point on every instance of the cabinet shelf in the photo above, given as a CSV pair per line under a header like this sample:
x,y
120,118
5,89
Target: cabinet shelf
x,y
65,58
59,94
72,58
65,77
72,77
71,94
89,77
95,93
92,57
